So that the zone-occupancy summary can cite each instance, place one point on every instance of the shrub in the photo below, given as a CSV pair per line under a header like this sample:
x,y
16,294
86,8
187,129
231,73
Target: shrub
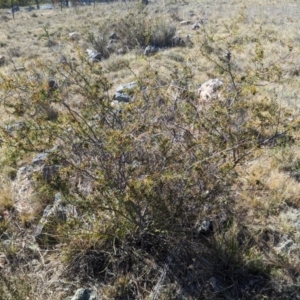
x,y
144,176
139,31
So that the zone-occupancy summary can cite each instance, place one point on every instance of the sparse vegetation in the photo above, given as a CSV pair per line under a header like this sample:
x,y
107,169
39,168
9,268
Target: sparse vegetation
x,y
173,195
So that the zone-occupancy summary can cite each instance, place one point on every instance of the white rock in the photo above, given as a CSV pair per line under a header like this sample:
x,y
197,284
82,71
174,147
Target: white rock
x,y
210,90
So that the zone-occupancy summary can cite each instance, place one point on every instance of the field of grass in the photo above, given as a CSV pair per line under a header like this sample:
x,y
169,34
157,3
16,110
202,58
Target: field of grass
x,y
169,196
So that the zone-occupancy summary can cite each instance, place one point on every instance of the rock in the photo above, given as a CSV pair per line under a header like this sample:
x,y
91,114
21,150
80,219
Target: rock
x,y
122,97
10,128
41,157
145,2
74,36
149,50
2,60
93,55
58,212
123,92
30,8
205,227
15,9
210,90
23,190
196,26
187,22
120,51
52,85
111,45
23,185
85,294
113,36
177,41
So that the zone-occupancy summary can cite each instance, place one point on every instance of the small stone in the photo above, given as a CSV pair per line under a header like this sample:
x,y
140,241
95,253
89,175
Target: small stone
x,y
93,55
123,92
113,36
196,26
210,90
15,9
84,294
177,41
52,85
205,227
149,50
30,8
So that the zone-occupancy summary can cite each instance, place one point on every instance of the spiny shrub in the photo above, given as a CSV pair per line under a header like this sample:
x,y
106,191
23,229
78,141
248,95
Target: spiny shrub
x,y
151,166
141,174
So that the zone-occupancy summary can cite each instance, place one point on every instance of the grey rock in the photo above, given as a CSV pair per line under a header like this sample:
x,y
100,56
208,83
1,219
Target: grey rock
x,y
150,50
93,55
177,41
120,51
145,2
122,97
113,36
14,127
15,9
196,26
123,92
111,46
205,227
52,85
58,212
85,294
40,158
210,90
30,8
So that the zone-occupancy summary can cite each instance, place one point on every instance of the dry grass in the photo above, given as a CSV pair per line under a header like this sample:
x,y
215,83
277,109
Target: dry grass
x,y
263,38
